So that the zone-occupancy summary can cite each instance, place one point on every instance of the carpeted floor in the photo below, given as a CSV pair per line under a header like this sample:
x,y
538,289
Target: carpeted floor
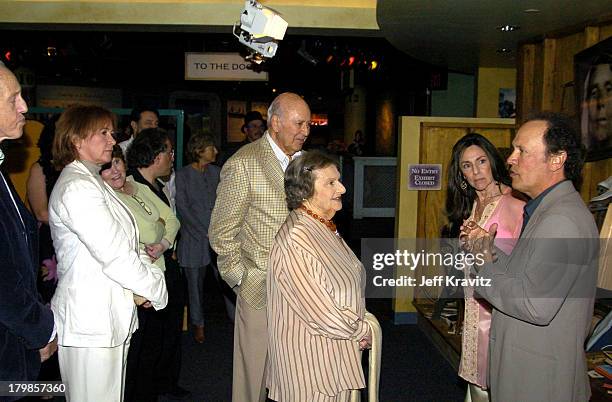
x,y
412,369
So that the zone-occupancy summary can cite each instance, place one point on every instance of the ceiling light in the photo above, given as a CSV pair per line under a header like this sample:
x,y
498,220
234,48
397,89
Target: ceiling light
x,y
504,50
532,10
508,28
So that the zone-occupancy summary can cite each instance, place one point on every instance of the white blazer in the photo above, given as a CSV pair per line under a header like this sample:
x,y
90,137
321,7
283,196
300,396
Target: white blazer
x,y
98,262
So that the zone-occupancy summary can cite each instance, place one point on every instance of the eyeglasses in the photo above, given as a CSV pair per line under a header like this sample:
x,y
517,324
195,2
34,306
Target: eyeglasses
x,y
142,204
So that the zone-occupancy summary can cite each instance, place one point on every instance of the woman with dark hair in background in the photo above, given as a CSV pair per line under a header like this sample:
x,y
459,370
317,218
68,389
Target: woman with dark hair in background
x,y
42,178
157,224
315,292
100,268
479,190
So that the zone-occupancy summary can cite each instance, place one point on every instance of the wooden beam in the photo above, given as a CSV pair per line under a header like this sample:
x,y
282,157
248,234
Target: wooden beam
x,y
550,73
591,36
525,80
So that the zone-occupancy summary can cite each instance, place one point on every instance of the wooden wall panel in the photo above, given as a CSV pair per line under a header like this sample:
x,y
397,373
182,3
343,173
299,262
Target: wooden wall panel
x,y
567,47
525,90
538,79
605,31
549,75
591,36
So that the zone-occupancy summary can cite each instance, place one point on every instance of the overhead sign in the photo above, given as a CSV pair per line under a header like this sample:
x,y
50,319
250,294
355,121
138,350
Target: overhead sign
x,y
220,67
65,96
424,177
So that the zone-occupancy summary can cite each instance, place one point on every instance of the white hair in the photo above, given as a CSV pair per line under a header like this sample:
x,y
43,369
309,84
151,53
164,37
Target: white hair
x,y
274,109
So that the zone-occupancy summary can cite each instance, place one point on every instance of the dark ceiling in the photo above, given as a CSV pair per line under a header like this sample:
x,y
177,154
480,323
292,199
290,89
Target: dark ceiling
x,y
304,63
463,34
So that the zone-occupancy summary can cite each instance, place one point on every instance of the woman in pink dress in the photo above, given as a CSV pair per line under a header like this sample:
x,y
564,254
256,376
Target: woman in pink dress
x,y
479,189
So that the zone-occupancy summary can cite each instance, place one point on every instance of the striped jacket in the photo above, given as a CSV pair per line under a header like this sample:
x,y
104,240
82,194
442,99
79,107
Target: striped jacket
x,y
315,312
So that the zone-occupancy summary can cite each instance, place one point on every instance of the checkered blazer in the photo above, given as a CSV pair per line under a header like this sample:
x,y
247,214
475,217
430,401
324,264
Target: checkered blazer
x,y
249,210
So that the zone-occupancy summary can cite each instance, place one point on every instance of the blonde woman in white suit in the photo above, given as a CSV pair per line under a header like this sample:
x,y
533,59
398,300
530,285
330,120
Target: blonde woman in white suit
x,y
101,272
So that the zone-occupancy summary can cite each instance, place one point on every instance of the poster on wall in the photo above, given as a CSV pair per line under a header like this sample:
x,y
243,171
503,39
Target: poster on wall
x,y
507,103
235,119
593,84
261,107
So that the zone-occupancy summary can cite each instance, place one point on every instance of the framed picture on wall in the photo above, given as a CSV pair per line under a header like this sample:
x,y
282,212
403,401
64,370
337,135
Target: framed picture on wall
x,y
593,86
507,103
261,107
235,118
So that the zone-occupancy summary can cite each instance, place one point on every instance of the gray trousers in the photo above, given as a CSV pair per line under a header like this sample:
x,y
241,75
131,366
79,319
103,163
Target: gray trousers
x,y
195,286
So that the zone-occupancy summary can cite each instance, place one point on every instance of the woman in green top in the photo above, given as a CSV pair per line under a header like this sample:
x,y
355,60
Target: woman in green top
x,y
156,222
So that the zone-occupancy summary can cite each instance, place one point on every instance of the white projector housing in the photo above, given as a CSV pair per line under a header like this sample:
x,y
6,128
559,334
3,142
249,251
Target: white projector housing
x,y
260,29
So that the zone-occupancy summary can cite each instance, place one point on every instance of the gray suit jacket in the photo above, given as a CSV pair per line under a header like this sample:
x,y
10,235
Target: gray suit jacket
x,y
195,199
543,296
250,209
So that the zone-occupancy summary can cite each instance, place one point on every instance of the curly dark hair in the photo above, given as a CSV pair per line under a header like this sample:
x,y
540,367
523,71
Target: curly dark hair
x,y
300,177
149,143
459,201
117,153
137,111
561,135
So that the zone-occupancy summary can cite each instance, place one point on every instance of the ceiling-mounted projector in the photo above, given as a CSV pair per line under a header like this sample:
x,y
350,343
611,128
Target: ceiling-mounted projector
x,y
260,28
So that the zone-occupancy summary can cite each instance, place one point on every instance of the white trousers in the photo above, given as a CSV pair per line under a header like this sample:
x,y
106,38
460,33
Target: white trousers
x,y
93,374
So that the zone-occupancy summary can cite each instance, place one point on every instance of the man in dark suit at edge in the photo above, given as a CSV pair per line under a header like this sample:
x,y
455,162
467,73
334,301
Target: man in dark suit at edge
x,y
27,332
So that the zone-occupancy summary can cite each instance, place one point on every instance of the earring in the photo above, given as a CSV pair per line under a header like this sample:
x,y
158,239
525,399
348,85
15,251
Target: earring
x,y
463,185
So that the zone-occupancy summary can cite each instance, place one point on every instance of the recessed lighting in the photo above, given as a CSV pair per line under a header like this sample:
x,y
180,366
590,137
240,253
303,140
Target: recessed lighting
x,y
532,10
504,50
508,28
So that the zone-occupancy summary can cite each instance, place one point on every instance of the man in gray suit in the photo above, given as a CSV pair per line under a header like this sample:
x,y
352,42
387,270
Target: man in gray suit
x,y
543,292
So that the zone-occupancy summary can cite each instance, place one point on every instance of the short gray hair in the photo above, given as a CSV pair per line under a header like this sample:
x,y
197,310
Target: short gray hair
x,y
274,108
197,143
300,178
277,108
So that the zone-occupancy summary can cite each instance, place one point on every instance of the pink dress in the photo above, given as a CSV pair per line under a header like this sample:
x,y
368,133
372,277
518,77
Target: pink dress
x,y
507,212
